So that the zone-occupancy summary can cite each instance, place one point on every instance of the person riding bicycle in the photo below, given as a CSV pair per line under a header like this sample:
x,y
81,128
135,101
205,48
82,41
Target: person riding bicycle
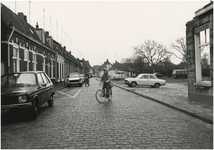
x,y
105,79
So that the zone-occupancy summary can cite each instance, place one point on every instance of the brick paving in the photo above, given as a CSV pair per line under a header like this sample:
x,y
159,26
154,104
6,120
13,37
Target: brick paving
x,y
174,95
129,121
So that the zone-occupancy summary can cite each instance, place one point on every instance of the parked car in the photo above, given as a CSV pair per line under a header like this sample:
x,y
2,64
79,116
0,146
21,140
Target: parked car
x,y
158,74
179,73
74,79
119,75
26,90
145,79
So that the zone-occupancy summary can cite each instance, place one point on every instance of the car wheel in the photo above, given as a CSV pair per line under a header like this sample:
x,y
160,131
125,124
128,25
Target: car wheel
x,y
51,101
133,84
33,110
157,85
80,84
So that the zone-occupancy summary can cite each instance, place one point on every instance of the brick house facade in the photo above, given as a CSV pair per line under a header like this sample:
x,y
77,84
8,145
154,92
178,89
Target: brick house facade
x,y
199,39
25,48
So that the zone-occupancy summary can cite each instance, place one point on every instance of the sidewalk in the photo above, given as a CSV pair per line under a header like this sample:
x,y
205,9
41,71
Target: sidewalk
x,y
204,113
58,86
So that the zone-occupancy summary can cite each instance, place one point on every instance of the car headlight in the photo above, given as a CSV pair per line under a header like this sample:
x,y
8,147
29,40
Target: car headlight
x,y
22,99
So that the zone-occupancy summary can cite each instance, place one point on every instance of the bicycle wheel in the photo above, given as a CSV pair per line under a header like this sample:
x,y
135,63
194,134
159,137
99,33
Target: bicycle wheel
x,y
110,95
100,96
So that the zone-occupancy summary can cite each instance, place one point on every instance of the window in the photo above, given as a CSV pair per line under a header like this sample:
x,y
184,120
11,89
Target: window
x,y
152,77
40,81
145,77
202,54
15,58
44,78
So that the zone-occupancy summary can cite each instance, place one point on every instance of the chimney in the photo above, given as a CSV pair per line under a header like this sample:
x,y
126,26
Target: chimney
x,y
25,18
37,26
21,14
47,33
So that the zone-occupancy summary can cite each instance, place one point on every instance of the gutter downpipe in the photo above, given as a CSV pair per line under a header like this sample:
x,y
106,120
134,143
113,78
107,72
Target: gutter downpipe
x,y
9,49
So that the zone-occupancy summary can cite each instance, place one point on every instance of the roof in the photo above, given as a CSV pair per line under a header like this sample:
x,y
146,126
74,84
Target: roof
x,y
21,25
205,9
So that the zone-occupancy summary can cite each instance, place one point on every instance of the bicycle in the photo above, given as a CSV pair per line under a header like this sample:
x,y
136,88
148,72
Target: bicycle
x,y
101,94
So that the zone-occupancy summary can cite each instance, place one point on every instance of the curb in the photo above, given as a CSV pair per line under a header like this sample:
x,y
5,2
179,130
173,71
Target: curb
x,y
171,106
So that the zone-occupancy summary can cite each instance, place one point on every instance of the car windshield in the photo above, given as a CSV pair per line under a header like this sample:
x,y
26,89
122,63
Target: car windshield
x,y
18,79
74,75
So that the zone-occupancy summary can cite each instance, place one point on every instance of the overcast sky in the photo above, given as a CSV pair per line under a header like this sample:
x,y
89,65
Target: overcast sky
x,y
100,30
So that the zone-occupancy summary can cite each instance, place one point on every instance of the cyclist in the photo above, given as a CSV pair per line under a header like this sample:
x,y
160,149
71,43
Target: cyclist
x,y
106,82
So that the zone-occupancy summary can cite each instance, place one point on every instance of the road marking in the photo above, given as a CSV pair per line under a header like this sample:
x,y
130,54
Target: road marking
x,y
70,95
76,93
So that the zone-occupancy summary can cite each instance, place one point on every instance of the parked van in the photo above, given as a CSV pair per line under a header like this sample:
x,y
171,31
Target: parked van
x,y
119,75
179,73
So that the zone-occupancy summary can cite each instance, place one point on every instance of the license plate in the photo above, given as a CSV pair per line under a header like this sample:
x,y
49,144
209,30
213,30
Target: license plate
x,y
4,110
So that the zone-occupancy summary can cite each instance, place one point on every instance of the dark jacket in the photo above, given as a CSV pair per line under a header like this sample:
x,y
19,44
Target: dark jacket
x,y
104,78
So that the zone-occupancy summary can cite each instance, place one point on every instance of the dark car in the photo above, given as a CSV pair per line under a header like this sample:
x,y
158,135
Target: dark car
x,y
26,90
158,74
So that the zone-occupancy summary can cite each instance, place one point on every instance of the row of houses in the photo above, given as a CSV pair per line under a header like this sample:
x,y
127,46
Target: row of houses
x,y
25,48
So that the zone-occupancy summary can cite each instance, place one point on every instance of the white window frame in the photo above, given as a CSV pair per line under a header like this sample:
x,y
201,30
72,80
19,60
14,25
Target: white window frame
x,y
49,73
198,45
15,58
34,58
43,64
52,67
26,57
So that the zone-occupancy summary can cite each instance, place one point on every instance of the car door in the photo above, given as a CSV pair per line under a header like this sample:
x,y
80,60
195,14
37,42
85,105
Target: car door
x,y
47,88
152,80
41,89
144,80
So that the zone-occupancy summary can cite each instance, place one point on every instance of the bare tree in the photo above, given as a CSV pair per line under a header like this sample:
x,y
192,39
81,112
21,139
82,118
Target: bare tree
x,y
152,52
180,48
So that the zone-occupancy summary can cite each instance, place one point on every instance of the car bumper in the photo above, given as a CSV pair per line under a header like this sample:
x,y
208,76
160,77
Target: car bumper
x,y
23,105
15,107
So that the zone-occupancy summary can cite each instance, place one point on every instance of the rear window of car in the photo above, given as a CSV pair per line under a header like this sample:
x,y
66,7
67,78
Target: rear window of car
x,y
152,77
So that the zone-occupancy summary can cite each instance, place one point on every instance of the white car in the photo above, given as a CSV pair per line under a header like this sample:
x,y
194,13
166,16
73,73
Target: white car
x,y
74,79
145,79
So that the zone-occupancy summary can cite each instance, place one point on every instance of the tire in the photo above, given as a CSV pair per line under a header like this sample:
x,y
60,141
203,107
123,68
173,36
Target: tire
x,y
80,84
99,96
110,95
133,84
51,101
33,111
157,85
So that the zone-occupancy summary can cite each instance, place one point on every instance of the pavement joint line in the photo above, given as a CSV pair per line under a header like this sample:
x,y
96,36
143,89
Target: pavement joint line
x,y
68,94
170,105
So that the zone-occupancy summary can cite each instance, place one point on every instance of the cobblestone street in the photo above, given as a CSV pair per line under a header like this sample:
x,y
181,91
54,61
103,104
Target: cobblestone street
x,y
77,120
